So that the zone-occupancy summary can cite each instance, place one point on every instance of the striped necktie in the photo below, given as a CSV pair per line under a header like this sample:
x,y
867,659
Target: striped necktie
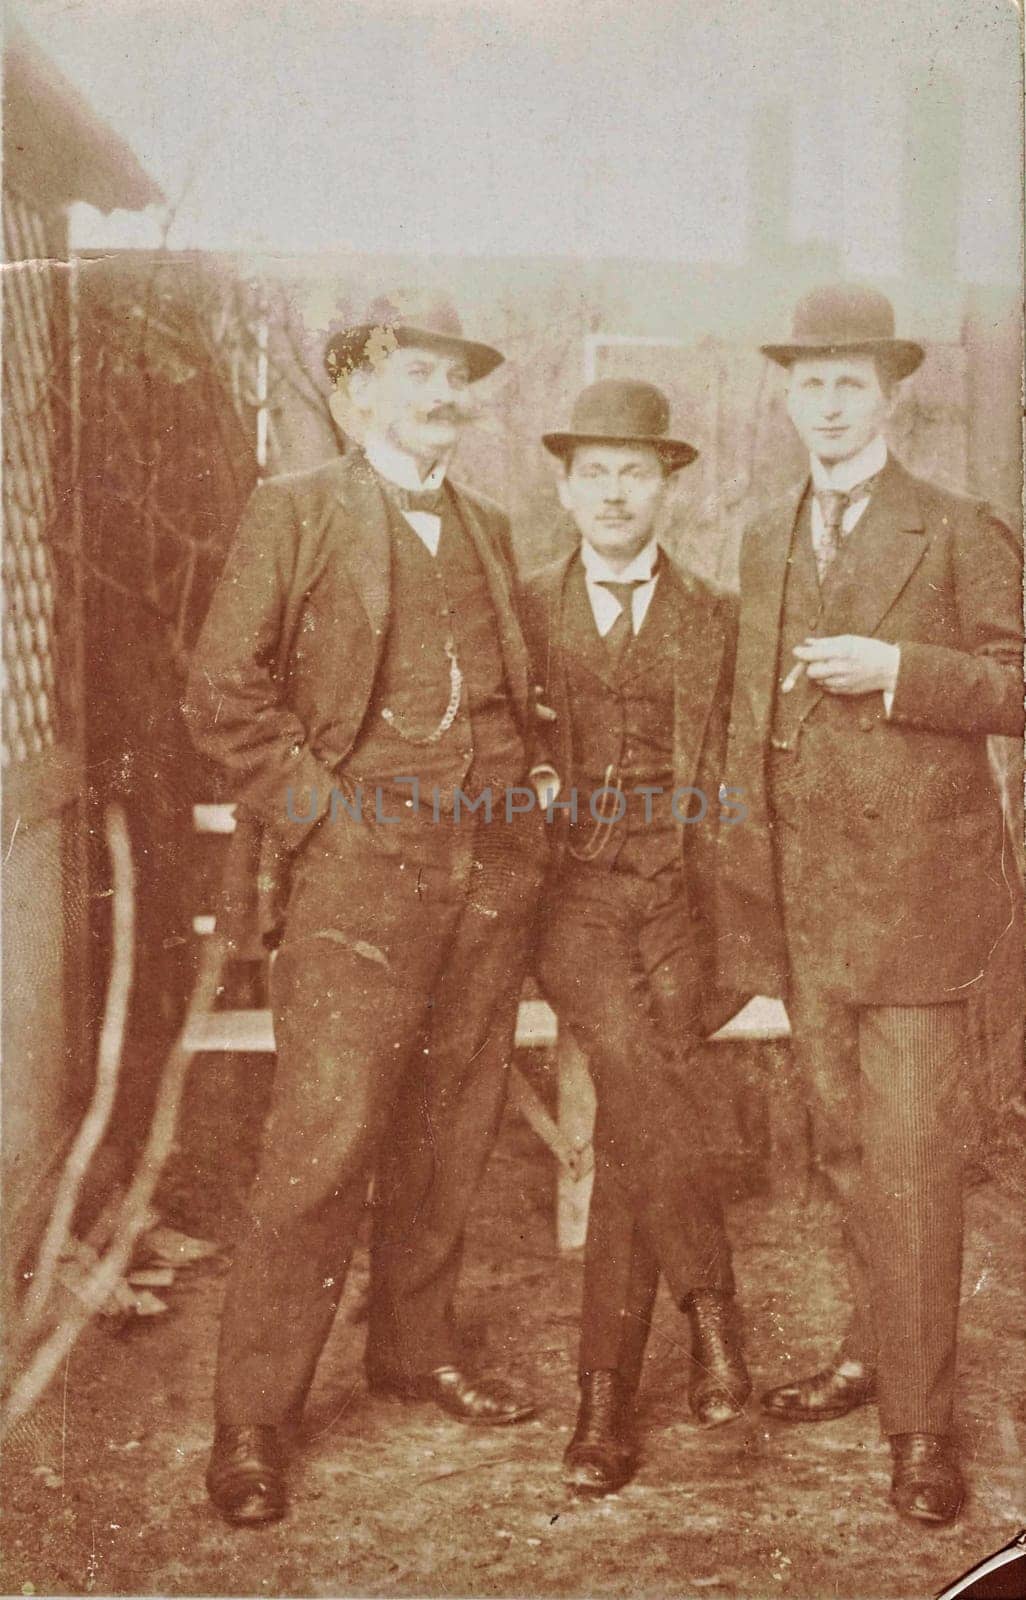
x,y
833,503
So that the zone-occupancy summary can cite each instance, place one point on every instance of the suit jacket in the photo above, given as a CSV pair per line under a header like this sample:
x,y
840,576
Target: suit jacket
x,y
285,664
910,820
707,628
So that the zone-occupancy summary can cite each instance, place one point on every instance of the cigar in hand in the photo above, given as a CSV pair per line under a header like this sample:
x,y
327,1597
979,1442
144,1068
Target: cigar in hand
x,y
792,677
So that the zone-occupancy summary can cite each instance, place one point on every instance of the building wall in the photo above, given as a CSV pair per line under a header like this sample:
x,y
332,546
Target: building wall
x,y
46,1053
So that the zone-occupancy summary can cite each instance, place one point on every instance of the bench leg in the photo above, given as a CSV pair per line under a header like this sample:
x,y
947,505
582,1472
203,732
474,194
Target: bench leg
x,y
576,1098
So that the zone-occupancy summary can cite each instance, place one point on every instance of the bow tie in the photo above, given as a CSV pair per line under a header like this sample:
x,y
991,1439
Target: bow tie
x,y
432,500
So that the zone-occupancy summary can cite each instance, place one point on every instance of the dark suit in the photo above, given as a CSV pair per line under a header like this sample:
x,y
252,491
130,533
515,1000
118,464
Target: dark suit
x,y
402,947
625,950
872,880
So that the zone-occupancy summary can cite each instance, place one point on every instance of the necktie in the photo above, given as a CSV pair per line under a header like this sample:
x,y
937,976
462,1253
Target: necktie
x,y
833,503
622,631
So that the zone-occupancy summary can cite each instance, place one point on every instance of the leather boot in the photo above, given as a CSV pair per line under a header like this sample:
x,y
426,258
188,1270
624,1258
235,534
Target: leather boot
x,y
600,1456
720,1384
926,1484
245,1478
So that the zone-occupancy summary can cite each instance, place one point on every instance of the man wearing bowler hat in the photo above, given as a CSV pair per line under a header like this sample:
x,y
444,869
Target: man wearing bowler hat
x,y
635,657
362,676
880,643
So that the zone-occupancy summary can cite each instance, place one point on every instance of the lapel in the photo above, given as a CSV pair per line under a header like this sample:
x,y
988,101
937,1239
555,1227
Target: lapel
x,y
580,633
698,644
769,556
361,530
869,573
556,630
360,525
511,639
878,559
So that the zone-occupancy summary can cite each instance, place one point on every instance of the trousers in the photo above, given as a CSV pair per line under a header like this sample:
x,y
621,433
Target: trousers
x,y
886,1090
618,963
394,994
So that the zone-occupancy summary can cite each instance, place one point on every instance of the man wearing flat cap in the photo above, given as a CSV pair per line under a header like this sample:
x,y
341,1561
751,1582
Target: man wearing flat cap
x,y
880,644
635,657
363,678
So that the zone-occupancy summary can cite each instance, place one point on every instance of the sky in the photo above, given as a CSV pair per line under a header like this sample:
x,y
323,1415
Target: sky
x,y
546,127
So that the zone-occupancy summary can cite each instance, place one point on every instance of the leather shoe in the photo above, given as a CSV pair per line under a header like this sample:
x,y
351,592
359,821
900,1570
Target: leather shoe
x,y
926,1484
481,1402
720,1385
244,1477
825,1395
600,1456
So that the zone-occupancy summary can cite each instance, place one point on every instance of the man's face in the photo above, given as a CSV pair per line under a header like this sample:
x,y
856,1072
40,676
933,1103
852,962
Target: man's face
x,y
614,494
416,399
838,405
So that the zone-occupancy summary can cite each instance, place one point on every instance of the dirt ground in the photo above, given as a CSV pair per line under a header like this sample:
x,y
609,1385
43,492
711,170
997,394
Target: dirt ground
x,y
103,1490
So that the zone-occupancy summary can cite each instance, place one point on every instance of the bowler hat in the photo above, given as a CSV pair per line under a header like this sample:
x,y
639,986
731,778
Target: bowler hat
x,y
850,318
622,411
427,322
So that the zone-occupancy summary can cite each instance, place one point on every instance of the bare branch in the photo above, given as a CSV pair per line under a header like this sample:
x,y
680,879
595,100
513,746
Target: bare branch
x,y
108,1066
29,1386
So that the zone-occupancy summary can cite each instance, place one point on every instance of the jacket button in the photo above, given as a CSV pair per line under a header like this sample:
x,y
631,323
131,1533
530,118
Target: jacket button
x,y
871,813
866,724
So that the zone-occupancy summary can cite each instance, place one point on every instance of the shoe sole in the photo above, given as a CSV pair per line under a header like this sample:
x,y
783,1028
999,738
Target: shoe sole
x,y
708,1424
250,1522
908,1515
389,1391
272,1514
595,1491
831,1414
524,1415
592,1491
928,1521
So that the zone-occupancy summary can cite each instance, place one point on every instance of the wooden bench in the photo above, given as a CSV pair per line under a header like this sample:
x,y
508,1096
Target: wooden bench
x,y
568,1135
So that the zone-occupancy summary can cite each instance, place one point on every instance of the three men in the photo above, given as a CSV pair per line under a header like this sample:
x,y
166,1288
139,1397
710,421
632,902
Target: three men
x,y
880,643
361,672
636,659
362,653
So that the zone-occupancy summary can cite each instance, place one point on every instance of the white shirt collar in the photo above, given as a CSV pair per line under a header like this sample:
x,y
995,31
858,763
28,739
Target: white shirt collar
x,y
597,568
846,474
398,467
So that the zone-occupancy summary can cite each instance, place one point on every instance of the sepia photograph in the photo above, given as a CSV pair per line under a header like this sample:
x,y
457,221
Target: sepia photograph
x,y
514,976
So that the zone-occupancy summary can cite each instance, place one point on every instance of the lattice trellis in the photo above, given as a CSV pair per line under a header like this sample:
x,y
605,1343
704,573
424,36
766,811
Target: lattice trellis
x,y
29,488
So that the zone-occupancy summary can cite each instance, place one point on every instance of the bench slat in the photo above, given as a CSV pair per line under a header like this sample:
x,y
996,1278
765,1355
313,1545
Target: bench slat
x,y
253,1031
761,1018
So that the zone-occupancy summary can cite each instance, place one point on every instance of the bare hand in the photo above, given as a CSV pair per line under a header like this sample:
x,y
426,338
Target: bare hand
x,y
850,664
546,784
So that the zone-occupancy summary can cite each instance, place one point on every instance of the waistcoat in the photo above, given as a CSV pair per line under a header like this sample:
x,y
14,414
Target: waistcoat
x,y
812,761
622,718
441,608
